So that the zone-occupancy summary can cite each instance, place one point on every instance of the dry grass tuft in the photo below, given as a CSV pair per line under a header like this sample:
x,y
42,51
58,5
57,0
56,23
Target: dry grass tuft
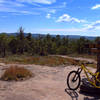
x,y
73,61
16,73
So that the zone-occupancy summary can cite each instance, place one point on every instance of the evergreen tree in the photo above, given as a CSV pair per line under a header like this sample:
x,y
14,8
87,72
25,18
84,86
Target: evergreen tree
x,y
21,41
3,44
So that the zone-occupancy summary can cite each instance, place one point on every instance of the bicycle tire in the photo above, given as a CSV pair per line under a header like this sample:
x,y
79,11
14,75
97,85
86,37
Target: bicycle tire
x,y
68,79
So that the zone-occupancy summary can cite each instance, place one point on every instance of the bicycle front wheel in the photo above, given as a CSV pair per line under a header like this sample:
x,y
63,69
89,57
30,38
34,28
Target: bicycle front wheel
x,y
73,80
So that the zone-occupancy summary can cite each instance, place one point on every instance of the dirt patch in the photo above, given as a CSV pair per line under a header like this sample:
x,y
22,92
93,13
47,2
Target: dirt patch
x,y
49,83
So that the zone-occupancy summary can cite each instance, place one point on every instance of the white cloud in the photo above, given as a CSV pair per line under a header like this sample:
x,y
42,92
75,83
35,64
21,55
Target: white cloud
x,y
88,29
11,3
64,18
96,7
17,12
48,16
52,11
67,18
62,5
18,6
93,26
38,1
15,7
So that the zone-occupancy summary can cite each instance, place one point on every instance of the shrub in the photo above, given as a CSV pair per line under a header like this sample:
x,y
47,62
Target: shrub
x,y
16,73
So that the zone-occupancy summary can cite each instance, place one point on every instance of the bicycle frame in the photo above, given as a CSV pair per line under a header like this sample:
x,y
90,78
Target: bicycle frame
x,y
95,75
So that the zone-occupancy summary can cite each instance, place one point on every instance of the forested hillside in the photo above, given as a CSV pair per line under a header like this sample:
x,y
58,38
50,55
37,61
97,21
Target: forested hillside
x,y
41,45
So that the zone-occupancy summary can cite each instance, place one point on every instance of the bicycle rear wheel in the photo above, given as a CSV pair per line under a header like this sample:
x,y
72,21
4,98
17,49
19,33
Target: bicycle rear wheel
x,y
73,80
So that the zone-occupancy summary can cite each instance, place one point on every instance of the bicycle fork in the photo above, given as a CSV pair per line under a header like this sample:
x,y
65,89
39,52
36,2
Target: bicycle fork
x,y
76,77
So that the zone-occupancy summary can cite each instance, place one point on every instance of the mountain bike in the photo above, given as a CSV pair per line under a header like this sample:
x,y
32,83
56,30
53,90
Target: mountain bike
x,y
74,78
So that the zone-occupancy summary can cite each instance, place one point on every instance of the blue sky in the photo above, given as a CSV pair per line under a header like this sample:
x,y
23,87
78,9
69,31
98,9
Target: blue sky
x,y
64,17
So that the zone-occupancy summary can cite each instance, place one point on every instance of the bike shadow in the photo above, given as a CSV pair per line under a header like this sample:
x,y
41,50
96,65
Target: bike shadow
x,y
73,94
89,92
90,96
87,96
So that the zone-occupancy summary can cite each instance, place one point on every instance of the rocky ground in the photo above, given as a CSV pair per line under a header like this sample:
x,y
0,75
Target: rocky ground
x,y
49,83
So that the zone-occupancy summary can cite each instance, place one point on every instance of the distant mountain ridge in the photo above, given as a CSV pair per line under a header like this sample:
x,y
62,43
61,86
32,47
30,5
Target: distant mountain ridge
x,y
78,36
35,35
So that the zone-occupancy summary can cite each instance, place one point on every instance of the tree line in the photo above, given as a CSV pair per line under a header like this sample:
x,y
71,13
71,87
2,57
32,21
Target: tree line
x,y
41,45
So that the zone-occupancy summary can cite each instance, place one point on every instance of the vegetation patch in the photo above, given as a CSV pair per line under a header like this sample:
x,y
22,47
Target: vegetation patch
x,y
94,57
16,73
73,61
43,60
40,60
